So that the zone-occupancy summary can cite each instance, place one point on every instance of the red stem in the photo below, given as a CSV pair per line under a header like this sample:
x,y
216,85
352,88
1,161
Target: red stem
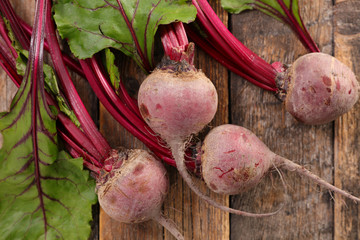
x,y
129,101
166,42
10,71
17,79
91,131
79,137
242,52
180,33
301,32
7,55
143,56
136,120
70,62
222,59
170,42
89,161
172,36
175,42
223,40
75,154
104,99
4,34
9,13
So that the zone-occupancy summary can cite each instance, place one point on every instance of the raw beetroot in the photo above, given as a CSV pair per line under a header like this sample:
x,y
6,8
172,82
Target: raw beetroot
x,y
178,101
134,189
318,88
233,160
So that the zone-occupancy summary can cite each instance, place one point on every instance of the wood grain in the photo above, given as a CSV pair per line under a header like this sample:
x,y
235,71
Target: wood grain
x,y
308,210
347,151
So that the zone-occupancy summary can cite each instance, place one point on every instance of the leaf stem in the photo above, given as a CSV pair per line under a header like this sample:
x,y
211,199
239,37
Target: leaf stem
x,y
221,58
143,56
176,44
223,40
3,32
87,124
34,74
88,159
300,31
70,62
111,103
9,13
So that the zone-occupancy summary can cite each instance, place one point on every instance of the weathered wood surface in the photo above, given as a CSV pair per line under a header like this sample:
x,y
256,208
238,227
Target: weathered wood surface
x,y
308,211
331,151
347,151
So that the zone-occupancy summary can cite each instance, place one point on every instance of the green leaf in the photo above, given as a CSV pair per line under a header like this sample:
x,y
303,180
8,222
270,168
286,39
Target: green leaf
x,y
51,84
44,194
49,194
112,69
93,25
237,6
272,8
68,194
286,11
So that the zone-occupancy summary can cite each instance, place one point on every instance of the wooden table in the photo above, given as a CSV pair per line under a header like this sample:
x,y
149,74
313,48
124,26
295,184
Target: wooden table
x,y
331,151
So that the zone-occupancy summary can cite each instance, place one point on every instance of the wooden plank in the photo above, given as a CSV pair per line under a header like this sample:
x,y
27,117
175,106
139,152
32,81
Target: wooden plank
x,y
347,151
193,216
308,213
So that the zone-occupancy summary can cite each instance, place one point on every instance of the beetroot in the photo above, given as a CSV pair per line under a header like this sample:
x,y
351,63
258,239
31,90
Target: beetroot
x,y
178,101
134,189
233,160
319,88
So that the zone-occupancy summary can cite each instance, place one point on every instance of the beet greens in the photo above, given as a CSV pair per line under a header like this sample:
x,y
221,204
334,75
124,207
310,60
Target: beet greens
x,y
119,104
39,184
91,26
136,40
285,11
83,139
